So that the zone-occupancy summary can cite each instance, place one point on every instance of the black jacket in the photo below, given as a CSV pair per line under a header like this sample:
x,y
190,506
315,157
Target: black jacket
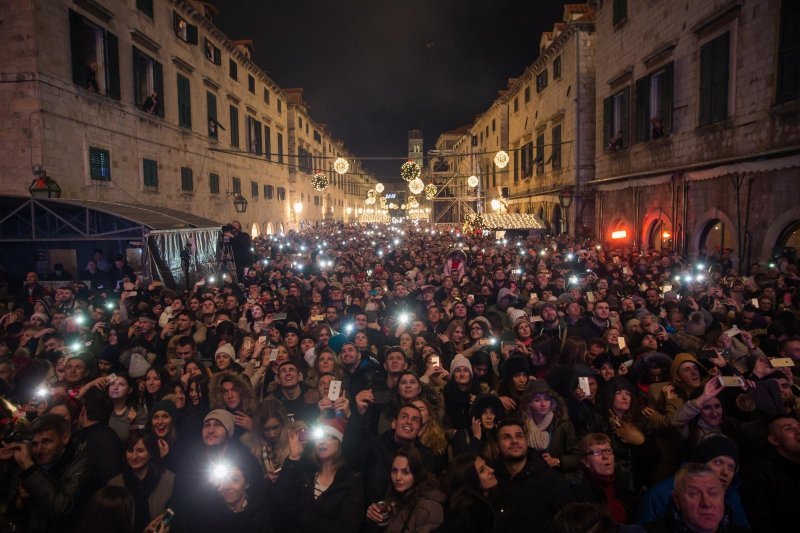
x,y
103,445
373,455
770,490
340,509
58,493
532,497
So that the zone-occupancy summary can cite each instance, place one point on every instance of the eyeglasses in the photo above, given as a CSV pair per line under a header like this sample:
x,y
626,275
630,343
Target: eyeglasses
x,y
606,452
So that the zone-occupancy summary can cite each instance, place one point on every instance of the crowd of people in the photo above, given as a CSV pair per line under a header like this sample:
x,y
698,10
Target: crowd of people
x,y
406,379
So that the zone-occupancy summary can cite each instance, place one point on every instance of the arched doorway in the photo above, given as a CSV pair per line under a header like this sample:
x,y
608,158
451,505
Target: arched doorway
x,y
791,236
659,236
717,236
558,221
270,231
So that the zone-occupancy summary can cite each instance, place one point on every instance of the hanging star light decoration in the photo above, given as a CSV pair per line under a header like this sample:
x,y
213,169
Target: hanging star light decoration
x,y
416,186
379,187
371,193
501,159
473,181
319,181
341,166
412,202
410,170
382,202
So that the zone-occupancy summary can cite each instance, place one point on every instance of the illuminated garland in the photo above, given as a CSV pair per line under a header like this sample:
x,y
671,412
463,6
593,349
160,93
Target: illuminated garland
x,y
410,170
319,181
341,166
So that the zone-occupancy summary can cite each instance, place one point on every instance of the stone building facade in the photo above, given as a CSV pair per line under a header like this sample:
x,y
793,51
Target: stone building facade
x,y
551,124
147,102
698,137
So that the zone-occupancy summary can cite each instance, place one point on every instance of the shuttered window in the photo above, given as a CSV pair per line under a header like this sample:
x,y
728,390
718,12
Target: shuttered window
x,y
654,104
150,172
184,102
555,156
234,125
187,179
714,67
148,83
788,84
615,120
211,106
95,57
213,183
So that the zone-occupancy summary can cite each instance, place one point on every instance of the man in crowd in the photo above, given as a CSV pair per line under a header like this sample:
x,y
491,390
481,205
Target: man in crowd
x,y
532,492
55,479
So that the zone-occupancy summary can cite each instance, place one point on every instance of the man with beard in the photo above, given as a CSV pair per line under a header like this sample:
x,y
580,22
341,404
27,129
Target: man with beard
x,y
532,492
359,372
593,325
240,246
551,324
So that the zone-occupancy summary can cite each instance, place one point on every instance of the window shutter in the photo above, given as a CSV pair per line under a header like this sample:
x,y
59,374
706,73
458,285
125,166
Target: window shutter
x,y
706,54
78,53
267,142
788,84
516,166
217,56
175,22
191,34
112,65
665,95
607,119
158,83
135,60
643,109
625,125
719,77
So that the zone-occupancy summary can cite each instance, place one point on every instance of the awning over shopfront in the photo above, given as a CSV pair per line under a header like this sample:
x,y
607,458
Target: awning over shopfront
x,y
501,221
748,167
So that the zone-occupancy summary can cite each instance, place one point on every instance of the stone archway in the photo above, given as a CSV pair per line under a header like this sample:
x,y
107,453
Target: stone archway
x,y
699,234
776,231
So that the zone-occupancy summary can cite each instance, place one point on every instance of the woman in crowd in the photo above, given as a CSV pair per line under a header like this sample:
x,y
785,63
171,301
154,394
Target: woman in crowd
x,y
414,501
471,484
514,374
144,477
487,410
153,388
269,440
549,428
128,412
319,493
459,393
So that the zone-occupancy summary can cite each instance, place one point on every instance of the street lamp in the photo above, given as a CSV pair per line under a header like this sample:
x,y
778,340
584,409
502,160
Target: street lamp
x,y
44,186
565,200
298,207
239,203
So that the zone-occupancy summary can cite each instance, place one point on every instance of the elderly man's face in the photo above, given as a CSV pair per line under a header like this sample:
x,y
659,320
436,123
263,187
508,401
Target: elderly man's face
x,y
701,501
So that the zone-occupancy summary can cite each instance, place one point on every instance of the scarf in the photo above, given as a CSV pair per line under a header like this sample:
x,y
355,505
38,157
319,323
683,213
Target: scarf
x,y
141,489
538,436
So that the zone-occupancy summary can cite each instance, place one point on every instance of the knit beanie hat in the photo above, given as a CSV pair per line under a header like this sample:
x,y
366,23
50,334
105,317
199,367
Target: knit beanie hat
x,y
168,406
715,446
223,417
696,324
459,361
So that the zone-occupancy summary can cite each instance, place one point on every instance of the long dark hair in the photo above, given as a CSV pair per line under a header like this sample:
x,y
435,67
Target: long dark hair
x,y
149,441
111,509
423,481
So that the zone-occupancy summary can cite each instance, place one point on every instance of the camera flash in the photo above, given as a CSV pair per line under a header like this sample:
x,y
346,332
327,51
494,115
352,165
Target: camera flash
x,y
317,434
212,279
41,392
110,305
220,472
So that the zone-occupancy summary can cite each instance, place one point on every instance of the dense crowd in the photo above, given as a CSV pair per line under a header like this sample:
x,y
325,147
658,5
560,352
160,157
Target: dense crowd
x,y
404,379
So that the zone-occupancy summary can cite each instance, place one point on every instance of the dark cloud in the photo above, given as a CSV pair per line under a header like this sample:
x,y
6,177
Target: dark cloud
x,y
373,69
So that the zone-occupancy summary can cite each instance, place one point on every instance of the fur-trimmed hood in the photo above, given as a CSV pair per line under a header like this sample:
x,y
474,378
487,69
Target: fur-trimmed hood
x,y
241,385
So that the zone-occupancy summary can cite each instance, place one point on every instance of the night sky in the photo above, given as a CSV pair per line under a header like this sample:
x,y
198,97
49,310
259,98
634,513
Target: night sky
x,y
373,69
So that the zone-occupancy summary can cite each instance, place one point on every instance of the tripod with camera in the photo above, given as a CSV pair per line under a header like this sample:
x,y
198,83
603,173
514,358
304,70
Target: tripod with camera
x,y
226,264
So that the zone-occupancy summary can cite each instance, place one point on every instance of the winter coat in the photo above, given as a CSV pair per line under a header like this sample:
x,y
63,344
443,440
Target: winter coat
x,y
533,496
655,502
58,494
426,515
373,455
159,499
340,509
770,491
